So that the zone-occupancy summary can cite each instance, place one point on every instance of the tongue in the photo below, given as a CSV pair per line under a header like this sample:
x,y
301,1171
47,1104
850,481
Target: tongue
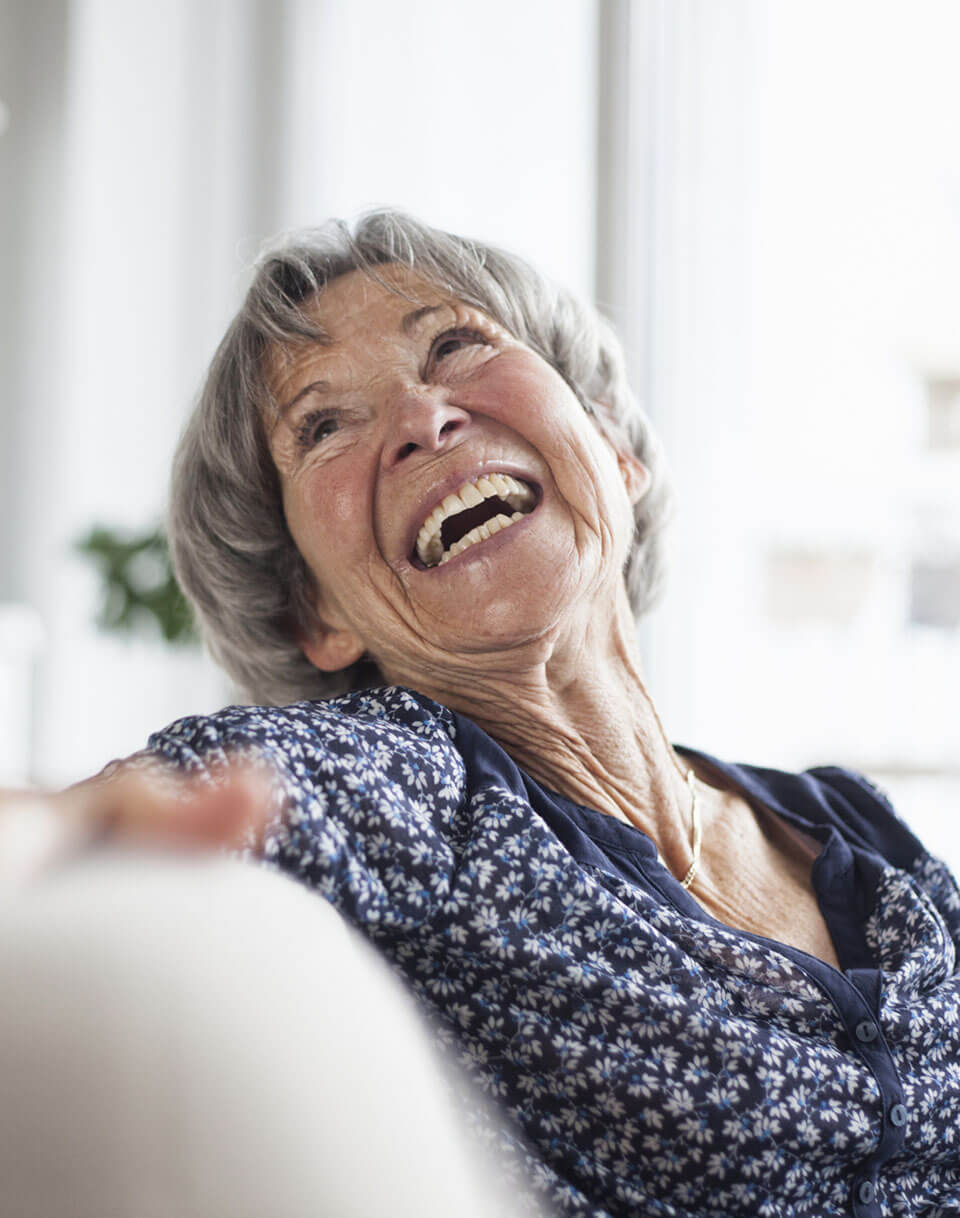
x,y
455,527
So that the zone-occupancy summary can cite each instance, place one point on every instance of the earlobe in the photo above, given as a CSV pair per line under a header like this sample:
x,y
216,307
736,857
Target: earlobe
x,y
330,649
323,633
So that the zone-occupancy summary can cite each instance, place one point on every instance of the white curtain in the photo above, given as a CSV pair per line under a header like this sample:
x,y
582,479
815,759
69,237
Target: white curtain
x,y
789,240
672,257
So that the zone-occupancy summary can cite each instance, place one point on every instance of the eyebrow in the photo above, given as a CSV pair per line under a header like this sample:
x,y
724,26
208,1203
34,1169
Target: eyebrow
x,y
313,387
407,324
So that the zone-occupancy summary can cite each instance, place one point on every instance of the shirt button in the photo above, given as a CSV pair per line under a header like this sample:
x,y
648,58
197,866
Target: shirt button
x,y
898,1115
866,1031
866,1192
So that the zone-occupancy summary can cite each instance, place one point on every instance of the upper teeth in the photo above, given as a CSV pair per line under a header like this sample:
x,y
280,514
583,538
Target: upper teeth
x,y
519,496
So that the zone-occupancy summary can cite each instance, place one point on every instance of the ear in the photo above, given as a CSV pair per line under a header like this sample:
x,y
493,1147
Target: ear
x,y
636,477
330,648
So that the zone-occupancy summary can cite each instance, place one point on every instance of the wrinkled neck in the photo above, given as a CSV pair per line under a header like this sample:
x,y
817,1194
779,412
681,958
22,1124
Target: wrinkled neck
x,y
576,715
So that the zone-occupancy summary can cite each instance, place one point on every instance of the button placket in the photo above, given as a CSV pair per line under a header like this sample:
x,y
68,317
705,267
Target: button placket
x,y
873,1050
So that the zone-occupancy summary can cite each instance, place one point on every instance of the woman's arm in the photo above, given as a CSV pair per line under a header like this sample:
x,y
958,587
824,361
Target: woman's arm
x,y
155,808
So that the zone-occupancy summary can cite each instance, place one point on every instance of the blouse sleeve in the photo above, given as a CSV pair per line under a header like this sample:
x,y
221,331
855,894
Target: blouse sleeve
x,y
366,790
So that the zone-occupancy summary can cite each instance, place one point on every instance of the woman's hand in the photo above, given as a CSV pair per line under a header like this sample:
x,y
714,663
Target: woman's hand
x,y
152,809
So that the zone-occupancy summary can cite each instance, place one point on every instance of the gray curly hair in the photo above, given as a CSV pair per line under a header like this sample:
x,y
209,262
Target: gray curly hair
x,y
232,550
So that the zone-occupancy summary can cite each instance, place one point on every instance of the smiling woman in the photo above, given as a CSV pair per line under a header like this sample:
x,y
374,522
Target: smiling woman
x,y
419,407
691,987
439,313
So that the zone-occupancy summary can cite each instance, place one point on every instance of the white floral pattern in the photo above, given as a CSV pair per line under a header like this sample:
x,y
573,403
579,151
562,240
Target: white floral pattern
x,y
649,1060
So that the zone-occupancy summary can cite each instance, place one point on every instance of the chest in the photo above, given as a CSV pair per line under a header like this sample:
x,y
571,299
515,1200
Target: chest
x,y
764,885
788,914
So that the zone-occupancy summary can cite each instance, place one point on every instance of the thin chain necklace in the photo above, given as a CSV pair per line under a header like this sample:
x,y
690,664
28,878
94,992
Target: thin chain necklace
x,y
697,832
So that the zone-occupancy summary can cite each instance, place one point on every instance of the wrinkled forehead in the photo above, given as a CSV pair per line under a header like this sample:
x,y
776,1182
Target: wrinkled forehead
x,y
364,311
374,300
377,306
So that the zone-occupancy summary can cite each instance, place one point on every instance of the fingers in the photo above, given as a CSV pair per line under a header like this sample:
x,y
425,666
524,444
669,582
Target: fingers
x,y
153,809
220,808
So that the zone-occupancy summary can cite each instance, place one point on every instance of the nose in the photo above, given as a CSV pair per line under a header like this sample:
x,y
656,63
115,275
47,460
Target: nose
x,y
420,421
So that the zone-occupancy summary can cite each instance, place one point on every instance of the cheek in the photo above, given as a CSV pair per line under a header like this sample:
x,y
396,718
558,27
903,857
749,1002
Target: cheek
x,y
325,514
540,402
528,394
534,399
337,500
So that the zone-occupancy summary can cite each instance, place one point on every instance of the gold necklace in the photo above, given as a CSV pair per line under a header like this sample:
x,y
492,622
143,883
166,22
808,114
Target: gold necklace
x,y
697,833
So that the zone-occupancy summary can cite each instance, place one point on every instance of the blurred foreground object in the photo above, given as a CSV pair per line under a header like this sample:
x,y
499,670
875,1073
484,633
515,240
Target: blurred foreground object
x,y
207,1039
139,807
21,636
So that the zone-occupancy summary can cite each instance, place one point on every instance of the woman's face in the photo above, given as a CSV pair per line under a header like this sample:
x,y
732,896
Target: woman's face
x,y
408,405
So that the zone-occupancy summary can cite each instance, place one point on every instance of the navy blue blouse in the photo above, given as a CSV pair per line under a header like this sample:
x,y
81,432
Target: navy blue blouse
x,y
646,1059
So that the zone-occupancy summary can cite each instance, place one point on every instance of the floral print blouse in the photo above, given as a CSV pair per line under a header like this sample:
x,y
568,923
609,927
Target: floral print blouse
x,y
644,1058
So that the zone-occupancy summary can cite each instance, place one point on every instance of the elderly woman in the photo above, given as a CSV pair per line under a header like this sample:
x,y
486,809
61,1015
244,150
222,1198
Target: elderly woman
x,y
419,513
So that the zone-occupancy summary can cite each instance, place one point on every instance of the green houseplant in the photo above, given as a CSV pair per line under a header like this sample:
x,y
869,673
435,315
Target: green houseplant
x,y
140,589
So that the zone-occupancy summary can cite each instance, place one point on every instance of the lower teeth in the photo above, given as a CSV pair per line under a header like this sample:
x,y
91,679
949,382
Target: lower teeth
x,y
481,533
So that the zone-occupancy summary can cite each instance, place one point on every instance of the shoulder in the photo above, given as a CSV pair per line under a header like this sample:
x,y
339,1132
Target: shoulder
x,y
352,760
827,799
366,789
865,814
378,722
830,797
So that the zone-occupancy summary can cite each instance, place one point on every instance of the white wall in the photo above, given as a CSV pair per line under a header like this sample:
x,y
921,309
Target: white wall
x,y
32,150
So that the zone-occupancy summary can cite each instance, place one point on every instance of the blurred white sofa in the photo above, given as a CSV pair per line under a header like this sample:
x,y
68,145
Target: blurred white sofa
x,y
203,1038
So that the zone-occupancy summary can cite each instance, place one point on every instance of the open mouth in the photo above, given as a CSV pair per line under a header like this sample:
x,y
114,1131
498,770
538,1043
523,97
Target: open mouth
x,y
470,515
